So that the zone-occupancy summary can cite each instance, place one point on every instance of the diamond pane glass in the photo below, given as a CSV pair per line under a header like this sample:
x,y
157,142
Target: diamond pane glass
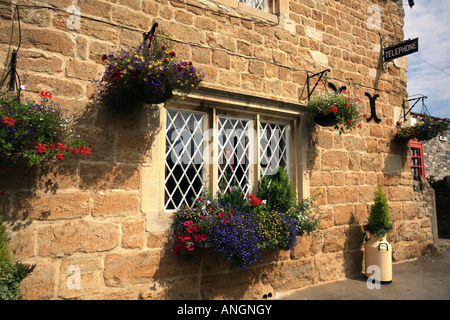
x,y
234,169
184,165
258,4
273,147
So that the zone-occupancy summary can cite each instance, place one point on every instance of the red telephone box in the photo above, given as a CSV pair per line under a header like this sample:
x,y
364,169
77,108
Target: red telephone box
x,y
417,159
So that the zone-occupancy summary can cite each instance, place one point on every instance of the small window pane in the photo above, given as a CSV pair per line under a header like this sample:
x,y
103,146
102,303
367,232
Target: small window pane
x,y
184,165
258,4
273,147
234,169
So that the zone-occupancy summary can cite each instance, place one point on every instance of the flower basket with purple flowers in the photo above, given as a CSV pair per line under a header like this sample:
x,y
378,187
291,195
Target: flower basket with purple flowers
x,y
146,74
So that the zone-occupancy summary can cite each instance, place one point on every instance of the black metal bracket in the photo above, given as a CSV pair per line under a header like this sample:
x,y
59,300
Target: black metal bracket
x,y
422,98
373,110
320,74
150,33
14,81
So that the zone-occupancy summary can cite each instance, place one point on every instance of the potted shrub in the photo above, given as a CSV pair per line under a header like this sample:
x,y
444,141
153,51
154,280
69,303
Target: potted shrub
x,y
335,109
277,190
378,252
37,131
425,129
145,74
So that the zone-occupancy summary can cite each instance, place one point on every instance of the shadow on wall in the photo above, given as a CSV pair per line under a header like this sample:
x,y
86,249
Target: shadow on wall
x,y
60,189
206,275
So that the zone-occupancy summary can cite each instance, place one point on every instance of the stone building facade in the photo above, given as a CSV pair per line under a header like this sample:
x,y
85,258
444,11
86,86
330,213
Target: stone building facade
x,y
107,218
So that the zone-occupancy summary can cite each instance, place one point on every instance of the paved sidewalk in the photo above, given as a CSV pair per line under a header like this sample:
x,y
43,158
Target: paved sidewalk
x,y
421,279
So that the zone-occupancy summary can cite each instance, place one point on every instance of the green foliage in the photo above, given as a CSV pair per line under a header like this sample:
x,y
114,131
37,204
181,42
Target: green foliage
x,y
11,273
346,109
234,198
35,131
277,191
5,255
379,219
306,215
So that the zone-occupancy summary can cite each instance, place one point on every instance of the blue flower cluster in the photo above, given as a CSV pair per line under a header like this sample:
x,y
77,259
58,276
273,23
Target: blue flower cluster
x,y
237,240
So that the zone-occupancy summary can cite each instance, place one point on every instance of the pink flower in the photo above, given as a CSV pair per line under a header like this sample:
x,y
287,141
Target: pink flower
x,y
188,223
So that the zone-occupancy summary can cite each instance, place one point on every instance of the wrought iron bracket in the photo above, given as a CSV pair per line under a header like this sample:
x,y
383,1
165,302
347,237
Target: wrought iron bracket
x,y
422,98
320,74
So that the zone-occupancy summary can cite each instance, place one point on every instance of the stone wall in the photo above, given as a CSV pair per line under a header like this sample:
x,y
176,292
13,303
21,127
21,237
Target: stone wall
x,y
99,214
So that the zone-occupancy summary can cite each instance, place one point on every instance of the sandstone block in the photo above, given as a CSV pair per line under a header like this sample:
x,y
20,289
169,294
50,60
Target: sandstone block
x,y
335,239
80,275
49,40
41,283
145,266
104,176
329,266
77,236
336,195
335,160
64,205
116,204
343,214
133,233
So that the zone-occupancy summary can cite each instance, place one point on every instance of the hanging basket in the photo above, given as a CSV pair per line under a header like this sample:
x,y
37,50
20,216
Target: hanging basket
x,y
326,120
155,96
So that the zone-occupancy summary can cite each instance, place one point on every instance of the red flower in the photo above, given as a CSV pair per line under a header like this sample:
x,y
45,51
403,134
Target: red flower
x,y
59,156
85,150
41,148
251,196
45,94
349,121
347,99
180,68
9,121
75,150
188,223
255,201
134,74
117,75
359,125
334,109
172,54
365,116
104,57
204,236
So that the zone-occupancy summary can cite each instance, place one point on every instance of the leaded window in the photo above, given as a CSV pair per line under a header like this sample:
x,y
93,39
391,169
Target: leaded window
x,y
234,157
184,163
274,150
258,4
